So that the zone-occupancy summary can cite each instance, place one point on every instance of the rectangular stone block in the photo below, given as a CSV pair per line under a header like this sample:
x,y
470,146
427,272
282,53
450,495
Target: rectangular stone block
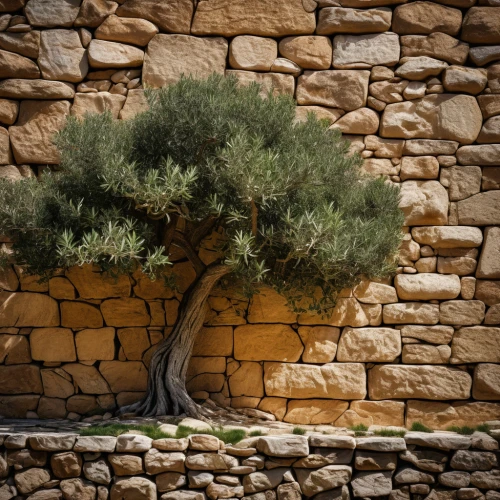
x,y
476,344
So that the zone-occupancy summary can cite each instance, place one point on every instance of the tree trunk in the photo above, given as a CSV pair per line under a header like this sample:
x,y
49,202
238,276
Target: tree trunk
x,y
167,394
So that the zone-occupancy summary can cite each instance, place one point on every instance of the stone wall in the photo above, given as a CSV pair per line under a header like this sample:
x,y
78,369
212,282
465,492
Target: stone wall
x,y
415,86
328,467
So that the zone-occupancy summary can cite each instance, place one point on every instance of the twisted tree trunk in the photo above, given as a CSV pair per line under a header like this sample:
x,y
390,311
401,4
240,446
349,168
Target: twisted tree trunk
x,y
167,394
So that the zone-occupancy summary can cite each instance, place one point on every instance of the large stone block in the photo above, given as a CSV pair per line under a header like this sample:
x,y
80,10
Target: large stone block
x,y
369,345
315,411
344,89
489,262
267,343
76,314
247,380
454,117
320,343
481,25
31,137
52,344
332,381
93,284
14,349
16,88
438,45
483,154
97,103
418,381
268,306
125,375
334,20
448,236
17,406
19,379
48,14
424,203
217,341
253,53
276,82
87,378
95,344
324,479
126,311
411,312
104,54
230,17
427,286
170,56
28,309
17,66
486,382
365,51
129,30
373,413
476,344
461,312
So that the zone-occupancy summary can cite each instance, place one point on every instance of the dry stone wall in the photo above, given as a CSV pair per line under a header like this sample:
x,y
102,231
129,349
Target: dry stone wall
x,y
288,467
415,87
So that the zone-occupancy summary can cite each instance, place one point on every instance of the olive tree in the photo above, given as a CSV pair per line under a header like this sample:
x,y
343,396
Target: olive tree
x,y
293,207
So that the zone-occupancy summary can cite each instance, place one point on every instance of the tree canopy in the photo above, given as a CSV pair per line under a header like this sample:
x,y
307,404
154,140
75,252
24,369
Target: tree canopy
x,y
296,210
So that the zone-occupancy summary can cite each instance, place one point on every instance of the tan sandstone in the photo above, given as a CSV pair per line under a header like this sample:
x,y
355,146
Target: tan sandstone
x,y
476,344
427,286
369,345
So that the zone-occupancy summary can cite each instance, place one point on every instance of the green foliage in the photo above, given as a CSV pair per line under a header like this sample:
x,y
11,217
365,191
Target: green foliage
x,y
149,430
390,432
296,210
483,428
227,435
255,433
299,431
465,430
359,427
420,427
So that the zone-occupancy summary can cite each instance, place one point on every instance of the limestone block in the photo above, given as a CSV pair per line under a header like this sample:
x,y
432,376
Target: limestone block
x,y
456,265
309,52
314,411
128,30
344,89
252,53
372,484
380,166
95,344
486,382
16,88
411,312
385,413
418,381
384,148
268,306
481,25
98,471
87,378
371,292
361,121
480,210
422,354
490,132
421,147
388,91
157,462
61,288
324,479
62,56
489,262
8,111
92,284
136,103
124,375
217,341
247,380
483,154
125,311
169,56
476,344
488,292
51,13
320,343
369,345
29,480
229,18
93,12
366,460
275,82
104,54
334,20
210,462
18,379
18,406
330,114
17,66
489,104
97,103
493,315
438,45
419,167
427,286
133,443
461,79
461,312
134,342
31,137
27,44
419,68
332,380
80,315
365,51
347,312
66,464
52,344
442,116
423,18
267,343
15,350
51,408
448,236
463,181
424,203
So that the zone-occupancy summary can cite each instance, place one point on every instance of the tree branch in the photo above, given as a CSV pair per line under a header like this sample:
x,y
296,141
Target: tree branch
x,y
180,240
255,214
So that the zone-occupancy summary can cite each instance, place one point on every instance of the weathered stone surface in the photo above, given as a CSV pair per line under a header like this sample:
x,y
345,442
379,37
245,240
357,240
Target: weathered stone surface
x,y
229,18
485,154
419,68
133,443
374,413
448,236
126,311
267,343
31,479
438,440
481,25
14,349
104,54
275,82
31,137
95,444
87,378
138,488
247,380
454,479
424,203
460,79
98,472
17,66
52,344
419,147
486,480
480,210
286,446
268,306
80,315
327,478
124,375
309,52
62,56
320,343
427,460
365,51
427,286
489,262
92,284
371,484
420,167
52,442
438,45
411,312
98,102
423,18
128,30
366,460
442,116
461,312
476,344
369,345
28,309
418,381
93,12
360,121
27,44
19,379
253,53
335,381
65,465
93,344
156,462
314,411
48,14
467,460
488,292
216,341
342,89
169,56
334,20
490,132
377,443
422,354
35,89
409,476
486,382
18,406
211,462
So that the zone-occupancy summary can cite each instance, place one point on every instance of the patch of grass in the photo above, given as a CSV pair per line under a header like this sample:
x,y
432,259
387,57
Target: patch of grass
x,y
256,433
232,436
359,433
390,432
483,428
420,427
299,431
465,430
359,428
149,430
